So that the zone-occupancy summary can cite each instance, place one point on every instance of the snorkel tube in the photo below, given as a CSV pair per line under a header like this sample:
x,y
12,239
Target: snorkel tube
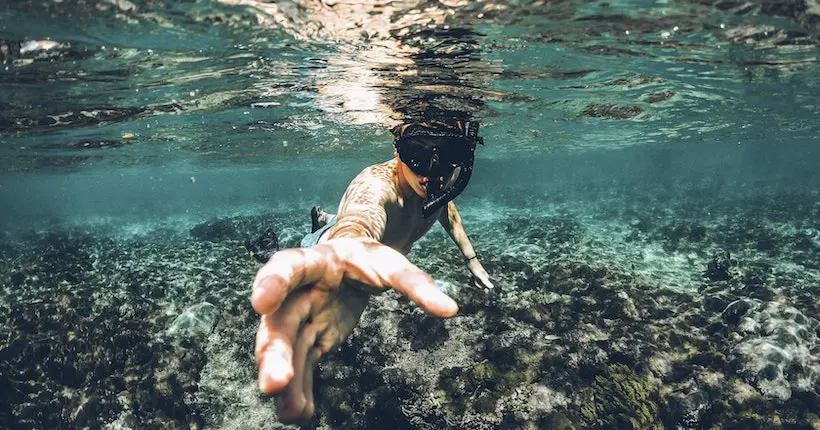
x,y
437,197
437,201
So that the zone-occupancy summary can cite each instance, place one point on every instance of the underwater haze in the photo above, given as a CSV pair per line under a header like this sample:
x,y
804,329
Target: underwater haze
x,y
647,202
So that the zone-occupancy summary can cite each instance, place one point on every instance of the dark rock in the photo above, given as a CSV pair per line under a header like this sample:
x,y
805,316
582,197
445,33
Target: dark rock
x,y
659,97
737,310
263,246
712,358
214,230
687,409
719,266
612,111
717,329
766,243
424,331
717,301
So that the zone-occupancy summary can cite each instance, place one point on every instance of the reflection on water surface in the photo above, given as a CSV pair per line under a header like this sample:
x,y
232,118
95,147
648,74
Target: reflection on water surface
x,y
230,81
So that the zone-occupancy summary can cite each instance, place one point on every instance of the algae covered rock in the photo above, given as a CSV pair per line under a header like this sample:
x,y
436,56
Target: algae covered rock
x,y
263,246
195,322
779,351
215,230
87,367
620,398
719,267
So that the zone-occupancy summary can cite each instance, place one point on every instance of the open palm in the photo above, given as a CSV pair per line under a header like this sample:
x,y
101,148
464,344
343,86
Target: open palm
x,y
311,299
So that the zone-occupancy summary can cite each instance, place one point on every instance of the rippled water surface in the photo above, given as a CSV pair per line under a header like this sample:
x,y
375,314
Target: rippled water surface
x,y
675,141
116,83
182,86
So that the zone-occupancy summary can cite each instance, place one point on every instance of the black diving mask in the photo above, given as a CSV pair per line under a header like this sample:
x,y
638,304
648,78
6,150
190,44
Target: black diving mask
x,y
440,151
434,160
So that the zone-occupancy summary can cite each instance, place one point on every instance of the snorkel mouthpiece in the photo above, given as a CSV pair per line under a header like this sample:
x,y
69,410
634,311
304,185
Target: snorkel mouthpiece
x,y
455,150
436,200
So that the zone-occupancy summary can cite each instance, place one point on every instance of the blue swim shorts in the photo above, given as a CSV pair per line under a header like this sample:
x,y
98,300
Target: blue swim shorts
x,y
313,238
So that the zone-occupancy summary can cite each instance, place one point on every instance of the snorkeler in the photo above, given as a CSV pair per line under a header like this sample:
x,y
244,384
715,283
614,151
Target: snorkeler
x,y
311,298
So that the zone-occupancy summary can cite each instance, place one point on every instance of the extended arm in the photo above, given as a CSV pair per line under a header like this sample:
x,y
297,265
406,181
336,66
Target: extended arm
x,y
451,221
306,302
361,212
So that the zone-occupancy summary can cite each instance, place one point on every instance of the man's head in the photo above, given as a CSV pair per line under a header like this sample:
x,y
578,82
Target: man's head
x,y
437,158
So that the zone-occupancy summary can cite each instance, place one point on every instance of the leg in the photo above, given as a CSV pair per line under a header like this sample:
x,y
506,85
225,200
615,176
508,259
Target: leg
x,y
315,223
319,218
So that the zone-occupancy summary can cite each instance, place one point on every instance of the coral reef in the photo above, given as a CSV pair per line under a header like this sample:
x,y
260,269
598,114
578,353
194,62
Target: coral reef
x,y
613,353
154,330
67,360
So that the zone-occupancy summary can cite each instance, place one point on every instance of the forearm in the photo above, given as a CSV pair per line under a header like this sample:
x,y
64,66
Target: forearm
x,y
451,221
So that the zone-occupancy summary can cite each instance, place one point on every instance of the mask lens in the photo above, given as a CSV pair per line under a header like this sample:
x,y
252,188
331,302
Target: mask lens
x,y
434,161
412,154
423,162
440,170
455,153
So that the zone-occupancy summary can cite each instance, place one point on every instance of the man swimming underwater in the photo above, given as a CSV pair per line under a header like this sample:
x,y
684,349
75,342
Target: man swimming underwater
x,y
311,298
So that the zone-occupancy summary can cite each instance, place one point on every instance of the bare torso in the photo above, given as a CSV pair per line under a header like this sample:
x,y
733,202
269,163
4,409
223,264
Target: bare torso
x,y
405,224
377,205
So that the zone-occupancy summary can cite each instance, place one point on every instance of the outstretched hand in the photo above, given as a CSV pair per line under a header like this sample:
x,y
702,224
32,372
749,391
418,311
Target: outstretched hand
x,y
307,310
480,276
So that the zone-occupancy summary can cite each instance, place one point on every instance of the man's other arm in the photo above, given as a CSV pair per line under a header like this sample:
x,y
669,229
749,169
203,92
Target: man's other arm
x,y
451,221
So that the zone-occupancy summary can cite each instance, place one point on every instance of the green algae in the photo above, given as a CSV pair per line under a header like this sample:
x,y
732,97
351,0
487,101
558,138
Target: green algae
x,y
481,386
620,398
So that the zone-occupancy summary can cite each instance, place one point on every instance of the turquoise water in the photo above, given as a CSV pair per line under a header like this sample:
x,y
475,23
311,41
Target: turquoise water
x,y
647,201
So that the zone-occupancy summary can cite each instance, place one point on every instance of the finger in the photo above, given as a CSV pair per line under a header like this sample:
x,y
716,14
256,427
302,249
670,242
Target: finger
x,y
294,400
310,365
394,269
420,288
274,343
286,271
273,357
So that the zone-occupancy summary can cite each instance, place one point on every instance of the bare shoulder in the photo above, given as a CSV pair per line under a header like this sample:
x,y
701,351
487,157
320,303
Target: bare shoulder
x,y
373,185
361,211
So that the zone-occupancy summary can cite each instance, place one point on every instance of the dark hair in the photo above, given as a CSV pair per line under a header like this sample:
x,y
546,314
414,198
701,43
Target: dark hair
x,y
434,129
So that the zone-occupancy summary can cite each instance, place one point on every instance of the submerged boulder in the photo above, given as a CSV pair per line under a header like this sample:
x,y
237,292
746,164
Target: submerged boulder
x,y
263,246
195,322
719,267
214,230
780,351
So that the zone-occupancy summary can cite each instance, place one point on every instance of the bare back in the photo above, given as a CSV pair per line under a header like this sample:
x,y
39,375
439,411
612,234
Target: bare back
x,y
375,205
